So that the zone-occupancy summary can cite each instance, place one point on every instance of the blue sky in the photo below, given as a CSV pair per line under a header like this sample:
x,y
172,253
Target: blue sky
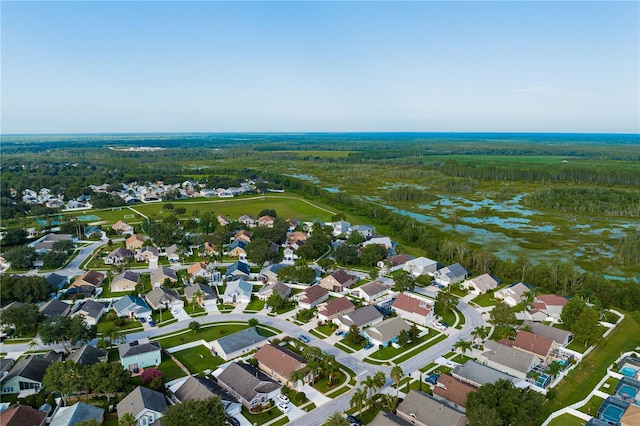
x,y
320,66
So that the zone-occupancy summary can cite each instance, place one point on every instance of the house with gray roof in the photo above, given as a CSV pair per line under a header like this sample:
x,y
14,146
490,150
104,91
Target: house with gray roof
x,y
138,354
147,254
422,409
76,413
372,291
363,317
201,388
118,256
477,374
55,308
508,360
364,230
387,331
126,281
480,284
237,270
561,337
88,355
236,344
237,292
384,418
26,375
160,275
144,404
269,274
163,298
57,281
209,296
513,294
91,311
281,288
450,275
248,384
132,307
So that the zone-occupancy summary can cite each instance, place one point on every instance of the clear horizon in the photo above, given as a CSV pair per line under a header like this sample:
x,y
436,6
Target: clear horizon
x,y
335,67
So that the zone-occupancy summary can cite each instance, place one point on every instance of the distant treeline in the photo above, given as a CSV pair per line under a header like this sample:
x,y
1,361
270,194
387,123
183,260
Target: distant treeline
x,y
589,200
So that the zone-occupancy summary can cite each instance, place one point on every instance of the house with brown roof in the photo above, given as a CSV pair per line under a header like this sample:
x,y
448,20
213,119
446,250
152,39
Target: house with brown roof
x,y
210,248
414,309
292,237
243,234
122,227
266,220
87,283
372,291
453,392
339,281
223,220
160,275
198,269
561,337
327,311
22,415
546,307
279,287
631,416
125,281
394,263
280,362
311,297
135,242
534,344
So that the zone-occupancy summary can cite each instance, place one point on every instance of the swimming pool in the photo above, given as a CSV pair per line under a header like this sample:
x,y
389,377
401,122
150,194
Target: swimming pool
x,y
612,414
627,391
628,371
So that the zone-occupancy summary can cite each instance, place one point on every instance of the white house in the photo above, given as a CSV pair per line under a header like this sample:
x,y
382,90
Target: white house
x,y
450,275
372,291
146,405
420,266
512,295
481,284
237,292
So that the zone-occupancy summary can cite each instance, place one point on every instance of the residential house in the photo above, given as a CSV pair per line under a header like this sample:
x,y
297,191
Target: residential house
x,y
88,355
266,220
46,243
146,405
161,275
340,227
327,311
453,392
512,295
631,416
22,415
508,360
201,388
367,231
338,281
139,354
90,311
118,256
247,220
243,235
385,418
208,297
281,288
269,274
57,281
55,308
25,377
237,292
384,242
237,270
223,220
87,283
76,413
126,281
238,249
450,275
372,291
421,409
480,285
292,237
312,296
414,309
561,337
6,364
386,332
135,242
539,346
362,317
477,374
547,307
198,269
236,344
292,223
132,307
279,362
173,253
394,263
122,228
147,254
163,298
248,384
210,248
420,266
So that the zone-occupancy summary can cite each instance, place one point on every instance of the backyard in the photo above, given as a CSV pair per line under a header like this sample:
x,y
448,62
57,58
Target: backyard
x,y
198,359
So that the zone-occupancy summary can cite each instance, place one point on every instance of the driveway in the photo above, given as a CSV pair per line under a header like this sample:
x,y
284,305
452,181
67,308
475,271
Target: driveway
x,y
180,314
314,396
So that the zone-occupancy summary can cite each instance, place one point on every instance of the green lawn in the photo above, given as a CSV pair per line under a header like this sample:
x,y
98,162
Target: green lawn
x,y
262,418
612,382
130,325
198,359
567,420
322,385
579,382
487,299
345,341
440,337
170,369
592,406
205,333
196,309
326,329
255,305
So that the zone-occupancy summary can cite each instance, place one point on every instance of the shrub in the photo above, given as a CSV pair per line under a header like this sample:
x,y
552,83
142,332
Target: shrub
x,y
150,374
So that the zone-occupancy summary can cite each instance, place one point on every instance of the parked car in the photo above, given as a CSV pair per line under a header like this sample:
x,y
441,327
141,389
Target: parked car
x,y
233,421
440,326
284,407
283,398
174,311
142,320
354,420
339,333
304,338
432,379
151,322
368,346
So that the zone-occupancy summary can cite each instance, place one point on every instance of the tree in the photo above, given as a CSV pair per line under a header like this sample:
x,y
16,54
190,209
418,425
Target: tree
x,y
67,331
297,274
572,311
554,368
504,404
346,254
503,318
379,379
445,302
207,412
396,374
480,333
585,328
403,282
194,326
296,376
108,378
24,318
275,301
21,257
64,377
354,337
462,345
268,212
372,254
330,368
337,419
359,396
369,384
25,289
260,250
355,238
253,322
127,419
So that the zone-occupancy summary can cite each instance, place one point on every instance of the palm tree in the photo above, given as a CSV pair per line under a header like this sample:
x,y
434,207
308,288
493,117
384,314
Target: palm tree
x,y
396,374
194,326
127,419
554,369
330,368
337,419
379,380
359,396
390,402
33,344
296,376
463,345
369,384
197,296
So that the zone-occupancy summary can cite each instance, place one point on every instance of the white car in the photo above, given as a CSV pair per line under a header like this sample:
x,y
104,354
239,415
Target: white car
x,y
284,407
283,398
174,311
